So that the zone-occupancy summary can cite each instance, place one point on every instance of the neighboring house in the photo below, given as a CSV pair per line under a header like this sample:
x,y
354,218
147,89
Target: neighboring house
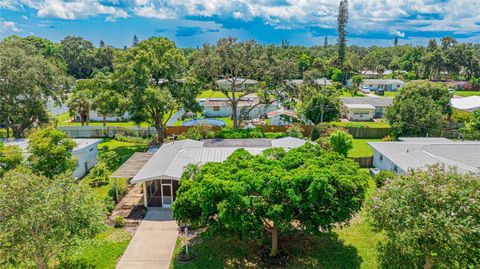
x,y
318,82
160,176
379,103
469,104
282,117
375,74
358,112
389,85
56,108
85,153
418,153
95,116
221,107
240,83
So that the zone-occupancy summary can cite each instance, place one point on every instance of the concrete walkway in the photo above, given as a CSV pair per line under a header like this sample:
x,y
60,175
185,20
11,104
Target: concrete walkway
x,y
153,243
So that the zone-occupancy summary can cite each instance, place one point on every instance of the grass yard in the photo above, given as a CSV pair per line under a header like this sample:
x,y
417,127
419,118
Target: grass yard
x,y
369,124
361,148
353,246
124,151
467,93
215,94
390,94
102,252
63,120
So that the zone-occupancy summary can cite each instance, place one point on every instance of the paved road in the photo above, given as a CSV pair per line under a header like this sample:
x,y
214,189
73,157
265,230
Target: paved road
x,y
153,243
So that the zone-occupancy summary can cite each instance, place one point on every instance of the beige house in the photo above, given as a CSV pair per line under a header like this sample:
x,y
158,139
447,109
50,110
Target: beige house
x,y
359,112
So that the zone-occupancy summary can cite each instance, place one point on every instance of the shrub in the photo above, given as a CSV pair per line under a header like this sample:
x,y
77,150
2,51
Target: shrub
x,y
3,133
341,142
99,175
274,135
133,139
387,138
429,219
122,190
110,159
383,176
109,204
119,222
295,131
230,133
199,132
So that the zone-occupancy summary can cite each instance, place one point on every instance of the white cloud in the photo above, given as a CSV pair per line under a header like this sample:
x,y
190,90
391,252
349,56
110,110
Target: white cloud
x,y
24,17
459,16
8,26
69,10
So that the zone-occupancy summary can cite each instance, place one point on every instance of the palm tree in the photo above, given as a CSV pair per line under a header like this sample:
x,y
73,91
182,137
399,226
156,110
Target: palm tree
x,y
357,80
80,102
190,171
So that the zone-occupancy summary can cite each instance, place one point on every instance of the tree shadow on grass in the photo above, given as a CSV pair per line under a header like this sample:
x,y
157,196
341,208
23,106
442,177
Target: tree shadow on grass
x,y
326,251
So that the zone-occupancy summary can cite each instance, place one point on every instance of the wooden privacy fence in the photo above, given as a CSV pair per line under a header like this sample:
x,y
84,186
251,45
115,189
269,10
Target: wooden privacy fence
x,y
364,162
111,131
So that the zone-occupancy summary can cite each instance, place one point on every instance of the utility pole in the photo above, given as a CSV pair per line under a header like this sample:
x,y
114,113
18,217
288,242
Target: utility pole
x,y
323,99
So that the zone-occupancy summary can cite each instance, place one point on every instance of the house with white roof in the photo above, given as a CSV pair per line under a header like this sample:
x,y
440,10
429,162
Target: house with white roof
x,y
161,174
418,153
389,85
362,105
85,153
469,104
221,107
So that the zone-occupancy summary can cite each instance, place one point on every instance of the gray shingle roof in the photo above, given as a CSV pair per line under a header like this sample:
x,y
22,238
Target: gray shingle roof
x,y
419,153
170,160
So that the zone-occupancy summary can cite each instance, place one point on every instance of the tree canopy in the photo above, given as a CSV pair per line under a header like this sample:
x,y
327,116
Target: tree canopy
x,y
418,108
430,219
152,75
278,191
43,219
28,81
50,152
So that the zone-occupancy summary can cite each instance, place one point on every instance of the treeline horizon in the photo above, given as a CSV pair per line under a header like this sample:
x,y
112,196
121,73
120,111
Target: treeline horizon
x,y
446,58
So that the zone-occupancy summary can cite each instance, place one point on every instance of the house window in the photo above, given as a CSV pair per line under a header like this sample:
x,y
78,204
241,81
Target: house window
x,y
381,157
216,108
395,168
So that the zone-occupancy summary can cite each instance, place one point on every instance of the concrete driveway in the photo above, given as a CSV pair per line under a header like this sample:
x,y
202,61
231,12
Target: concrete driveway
x,y
153,243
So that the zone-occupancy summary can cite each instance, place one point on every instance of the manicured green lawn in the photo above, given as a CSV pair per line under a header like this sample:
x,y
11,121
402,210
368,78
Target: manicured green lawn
x,y
214,94
353,246
348,94
467,93
228,121
63,120
361,148
361,124
390,94
102,252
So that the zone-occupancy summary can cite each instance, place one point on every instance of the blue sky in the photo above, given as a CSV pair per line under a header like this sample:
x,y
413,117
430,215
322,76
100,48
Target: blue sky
x,y
191,23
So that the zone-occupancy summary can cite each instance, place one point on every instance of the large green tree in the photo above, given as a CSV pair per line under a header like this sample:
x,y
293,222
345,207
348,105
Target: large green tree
x,y
50,152
305,188
237,63
43,219
151,75
431,219
418,108
27,81
79,55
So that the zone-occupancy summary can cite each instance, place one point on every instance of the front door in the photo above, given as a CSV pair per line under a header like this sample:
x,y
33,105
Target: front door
x,y
167,195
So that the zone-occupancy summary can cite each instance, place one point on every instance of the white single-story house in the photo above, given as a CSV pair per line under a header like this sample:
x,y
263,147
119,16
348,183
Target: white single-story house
x,y
161,174
282,117
469,104
318,82
240,83
358,112
220,107
375,74
418,153
379,103
85,153
389,85
96,116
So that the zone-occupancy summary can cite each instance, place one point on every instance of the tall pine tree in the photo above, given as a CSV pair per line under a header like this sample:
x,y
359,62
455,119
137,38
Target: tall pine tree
x,y
135,40
342,20
325,42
